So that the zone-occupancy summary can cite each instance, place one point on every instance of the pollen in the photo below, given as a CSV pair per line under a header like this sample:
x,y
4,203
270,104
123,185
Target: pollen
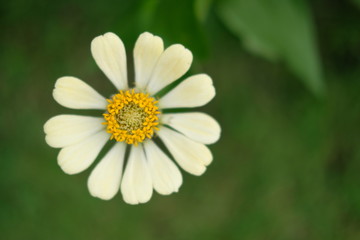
x,y
131,117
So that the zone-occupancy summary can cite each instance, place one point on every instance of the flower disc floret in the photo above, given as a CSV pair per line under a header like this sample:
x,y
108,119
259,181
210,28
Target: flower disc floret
x,y
131,117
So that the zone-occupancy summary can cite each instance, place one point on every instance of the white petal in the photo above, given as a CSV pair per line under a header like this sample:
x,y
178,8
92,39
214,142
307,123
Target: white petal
x,y
174,62
78,157
192,156
109,53
198,126
104,180
194,91
136,186
147,51
65,130
165,174
73,93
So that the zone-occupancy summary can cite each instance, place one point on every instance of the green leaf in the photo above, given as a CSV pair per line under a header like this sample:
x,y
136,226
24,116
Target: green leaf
x,y
202,9
175,23
278,30
357,2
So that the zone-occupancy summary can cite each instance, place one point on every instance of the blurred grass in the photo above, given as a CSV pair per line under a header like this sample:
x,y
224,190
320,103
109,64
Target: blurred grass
x,y
287,165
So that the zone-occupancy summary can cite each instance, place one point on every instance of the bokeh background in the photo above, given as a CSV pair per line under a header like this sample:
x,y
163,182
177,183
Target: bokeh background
x,y
287,75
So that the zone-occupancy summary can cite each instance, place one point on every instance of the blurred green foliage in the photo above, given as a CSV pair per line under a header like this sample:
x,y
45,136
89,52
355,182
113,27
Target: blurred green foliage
x,y
287,165
278,30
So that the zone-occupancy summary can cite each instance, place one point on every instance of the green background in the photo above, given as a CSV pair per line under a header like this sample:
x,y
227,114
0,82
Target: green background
x,y
287,76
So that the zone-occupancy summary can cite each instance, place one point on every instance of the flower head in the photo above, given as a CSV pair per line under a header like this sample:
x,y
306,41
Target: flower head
x,y
132,117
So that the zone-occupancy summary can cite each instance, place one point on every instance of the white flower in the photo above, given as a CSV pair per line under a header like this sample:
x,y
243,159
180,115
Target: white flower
x,y
133,117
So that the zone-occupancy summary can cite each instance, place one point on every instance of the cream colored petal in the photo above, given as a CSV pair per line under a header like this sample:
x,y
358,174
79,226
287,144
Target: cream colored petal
x,y
136,186
194,91
73,93
104,180
78,157
147,51
65,130
197,126
165,174
174,62
192,156
109,53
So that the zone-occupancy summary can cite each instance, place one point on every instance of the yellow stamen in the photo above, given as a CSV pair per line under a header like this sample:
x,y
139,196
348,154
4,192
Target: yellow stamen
x,y
131,117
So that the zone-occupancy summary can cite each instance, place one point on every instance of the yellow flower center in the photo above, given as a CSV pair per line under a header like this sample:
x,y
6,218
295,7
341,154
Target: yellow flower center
x,y
131,117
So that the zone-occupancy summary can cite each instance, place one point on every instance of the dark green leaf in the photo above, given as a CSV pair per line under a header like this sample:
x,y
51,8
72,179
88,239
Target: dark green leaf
x,y
278,30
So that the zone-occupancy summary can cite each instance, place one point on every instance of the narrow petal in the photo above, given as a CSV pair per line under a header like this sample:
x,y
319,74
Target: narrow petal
x,y
136,186
194,91
165,174
197,126
73,93
174,62
78,157
192,156
147,51
104,180
65,130
109,53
